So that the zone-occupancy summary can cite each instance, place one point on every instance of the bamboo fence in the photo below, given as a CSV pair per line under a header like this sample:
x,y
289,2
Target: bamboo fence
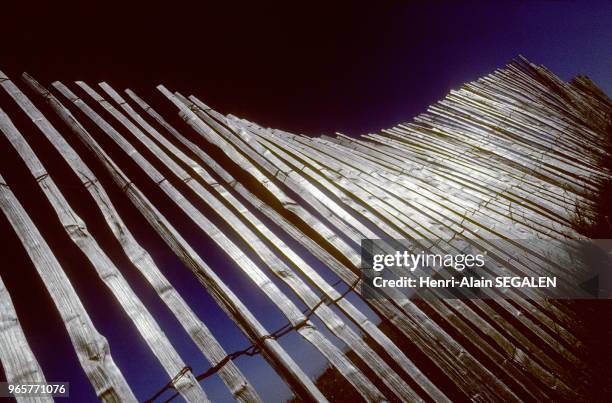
x,y
515,155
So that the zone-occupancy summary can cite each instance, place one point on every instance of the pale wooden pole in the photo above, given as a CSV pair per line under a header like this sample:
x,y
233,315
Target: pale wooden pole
x,y
197,330
227,300
489,385
110,275
275,264
303,326
91,347
18,361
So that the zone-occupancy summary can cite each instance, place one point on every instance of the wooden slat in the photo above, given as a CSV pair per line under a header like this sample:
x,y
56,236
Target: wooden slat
x,y
397,202
277,140
350,310
91,347
328,185
226,299
290,310
278,266
350,250
197,330
77,230
18,361
444,310
510,156
491,387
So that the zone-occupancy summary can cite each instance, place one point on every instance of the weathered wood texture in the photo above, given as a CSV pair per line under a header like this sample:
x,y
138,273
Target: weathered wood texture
x,y
18,360
107,271
90,346
197,330
510,156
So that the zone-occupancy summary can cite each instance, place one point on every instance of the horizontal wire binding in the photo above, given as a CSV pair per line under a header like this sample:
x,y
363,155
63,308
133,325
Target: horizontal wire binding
x,y
253,349
126,186
41,177
171,383
90,182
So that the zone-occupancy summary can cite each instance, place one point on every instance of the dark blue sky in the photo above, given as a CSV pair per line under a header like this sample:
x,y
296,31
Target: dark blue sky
x,y
307,68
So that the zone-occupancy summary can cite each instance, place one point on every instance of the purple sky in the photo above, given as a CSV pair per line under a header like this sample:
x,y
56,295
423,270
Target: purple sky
x,y
311,68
